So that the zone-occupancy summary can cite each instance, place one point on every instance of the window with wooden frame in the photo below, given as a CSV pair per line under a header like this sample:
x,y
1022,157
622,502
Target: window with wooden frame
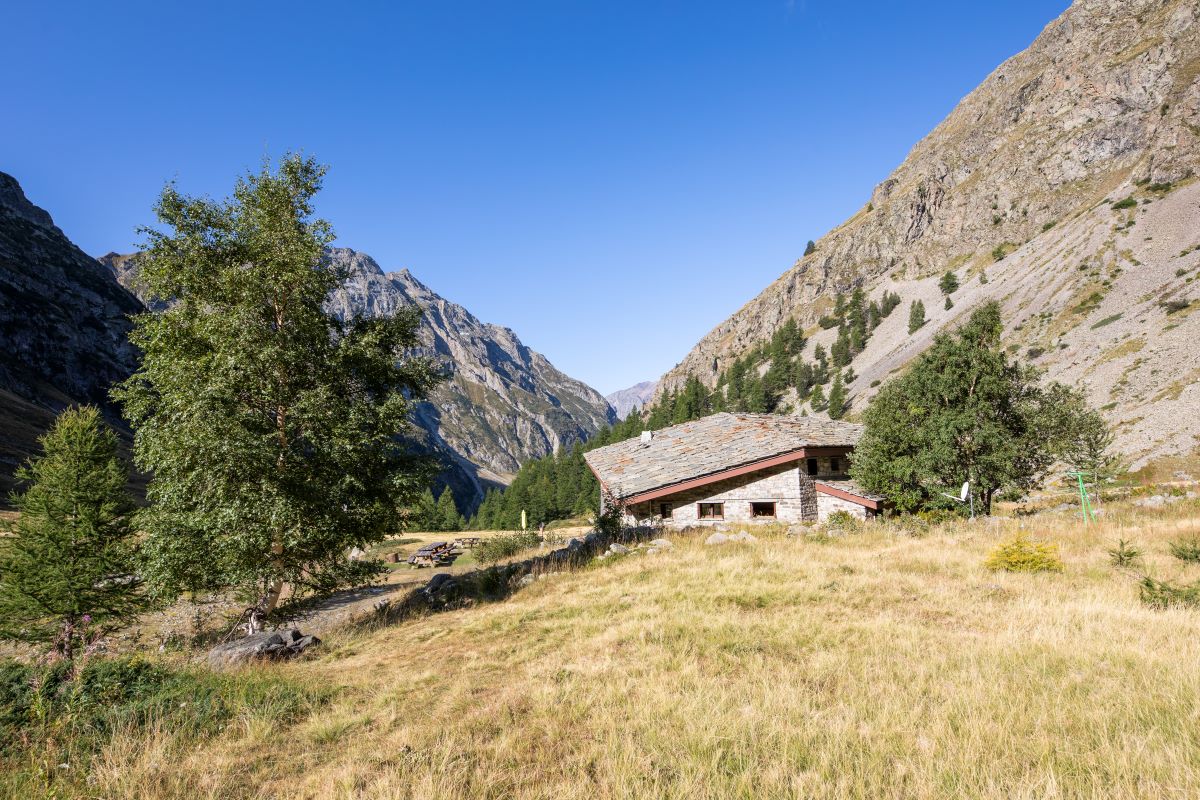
x,y
835,466
712,511
812,467
762,510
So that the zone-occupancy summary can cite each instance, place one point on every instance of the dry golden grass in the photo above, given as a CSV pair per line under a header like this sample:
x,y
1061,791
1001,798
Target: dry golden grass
x,y
872,665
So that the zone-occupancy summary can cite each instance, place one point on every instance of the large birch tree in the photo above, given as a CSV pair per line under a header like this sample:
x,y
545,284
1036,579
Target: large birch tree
x,y
273,432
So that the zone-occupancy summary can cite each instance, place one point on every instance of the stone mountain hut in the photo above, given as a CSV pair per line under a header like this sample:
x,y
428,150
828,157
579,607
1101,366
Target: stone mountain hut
x,y
741,468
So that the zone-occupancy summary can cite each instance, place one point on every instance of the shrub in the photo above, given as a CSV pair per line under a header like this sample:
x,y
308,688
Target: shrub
x,y
998,253
1035,352
1175,306
1163,594
1124,554
1022,555
493,549
1107,321
841,521
828,322
48,707
1128,202
1049,225
1186,550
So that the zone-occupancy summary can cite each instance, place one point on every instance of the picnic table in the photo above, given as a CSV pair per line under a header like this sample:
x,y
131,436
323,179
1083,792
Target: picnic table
x,y
432,555
467,542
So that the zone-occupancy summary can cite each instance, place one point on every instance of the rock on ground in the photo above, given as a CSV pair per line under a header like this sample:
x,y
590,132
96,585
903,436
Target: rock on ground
x,y
261,645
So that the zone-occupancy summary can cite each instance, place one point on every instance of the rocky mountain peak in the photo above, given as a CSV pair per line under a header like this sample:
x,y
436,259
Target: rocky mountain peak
x,y
1019,183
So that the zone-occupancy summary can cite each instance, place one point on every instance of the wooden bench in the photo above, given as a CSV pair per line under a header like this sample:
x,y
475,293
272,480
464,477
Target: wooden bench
x,y
432,555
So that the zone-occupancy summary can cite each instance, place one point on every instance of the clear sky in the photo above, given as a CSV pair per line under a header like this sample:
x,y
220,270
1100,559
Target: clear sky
x,y
611,179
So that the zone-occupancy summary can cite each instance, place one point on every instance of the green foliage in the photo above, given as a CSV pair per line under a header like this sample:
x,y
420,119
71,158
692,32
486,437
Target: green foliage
x,y
68,572
964,412
270,427
1164,594
1022,555
810,248
817,400
496,548
1175,306
1049,225
1125,554
998,253
69,712
435,515
1186,549
841,520
948,283
949,303
837,398
1107,321
1128,202
916,316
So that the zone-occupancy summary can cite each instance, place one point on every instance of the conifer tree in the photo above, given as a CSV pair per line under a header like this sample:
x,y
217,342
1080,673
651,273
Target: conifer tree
x,y
810,248
837,397
817,399
916,316
949,303
948,283
448,518
68,570
271,428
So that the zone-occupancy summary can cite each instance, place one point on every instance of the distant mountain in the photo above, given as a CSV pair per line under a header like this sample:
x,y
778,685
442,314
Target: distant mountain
x,y
64,323
503,403
637,396
1065,188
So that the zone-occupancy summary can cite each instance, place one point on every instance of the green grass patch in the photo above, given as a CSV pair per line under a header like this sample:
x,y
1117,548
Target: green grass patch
x,y
1022,555
1107,321
1128,202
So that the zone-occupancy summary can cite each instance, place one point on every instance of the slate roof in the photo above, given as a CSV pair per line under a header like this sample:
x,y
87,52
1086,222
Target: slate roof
x,y
712,444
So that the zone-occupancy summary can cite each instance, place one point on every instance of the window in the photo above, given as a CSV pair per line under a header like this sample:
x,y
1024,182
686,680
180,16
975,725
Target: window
x,y
712,511
762,509
835,466
664,510
812,466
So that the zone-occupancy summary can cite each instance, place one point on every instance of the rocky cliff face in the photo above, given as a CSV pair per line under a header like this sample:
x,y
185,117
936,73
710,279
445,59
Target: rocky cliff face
x,y
64,323
624,401
1103,105
503,404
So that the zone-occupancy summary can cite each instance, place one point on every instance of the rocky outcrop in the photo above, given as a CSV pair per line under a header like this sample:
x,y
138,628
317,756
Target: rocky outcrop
x,y
624,401
1104,104
64,324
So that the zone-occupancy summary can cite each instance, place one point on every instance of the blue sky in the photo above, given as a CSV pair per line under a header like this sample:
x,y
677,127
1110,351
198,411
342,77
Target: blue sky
x,y
610,179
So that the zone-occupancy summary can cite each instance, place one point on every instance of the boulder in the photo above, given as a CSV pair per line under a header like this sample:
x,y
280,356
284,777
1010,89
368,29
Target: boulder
x,y
743,536
717,538
661,544
438,582
261,645
618,548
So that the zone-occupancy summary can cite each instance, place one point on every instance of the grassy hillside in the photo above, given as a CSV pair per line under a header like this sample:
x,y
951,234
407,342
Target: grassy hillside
x,y
877,664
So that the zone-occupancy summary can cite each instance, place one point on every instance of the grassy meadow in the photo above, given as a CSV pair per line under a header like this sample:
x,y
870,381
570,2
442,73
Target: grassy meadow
x,y
872,664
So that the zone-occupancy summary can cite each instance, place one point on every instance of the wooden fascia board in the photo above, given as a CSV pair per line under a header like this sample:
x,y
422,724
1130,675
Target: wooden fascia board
x,y
859,500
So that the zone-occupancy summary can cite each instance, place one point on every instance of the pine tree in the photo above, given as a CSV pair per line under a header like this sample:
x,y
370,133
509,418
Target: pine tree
x,y
949,303
916,316
837,398
448,518
816,400
268,425
68,572
810,248
948,283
